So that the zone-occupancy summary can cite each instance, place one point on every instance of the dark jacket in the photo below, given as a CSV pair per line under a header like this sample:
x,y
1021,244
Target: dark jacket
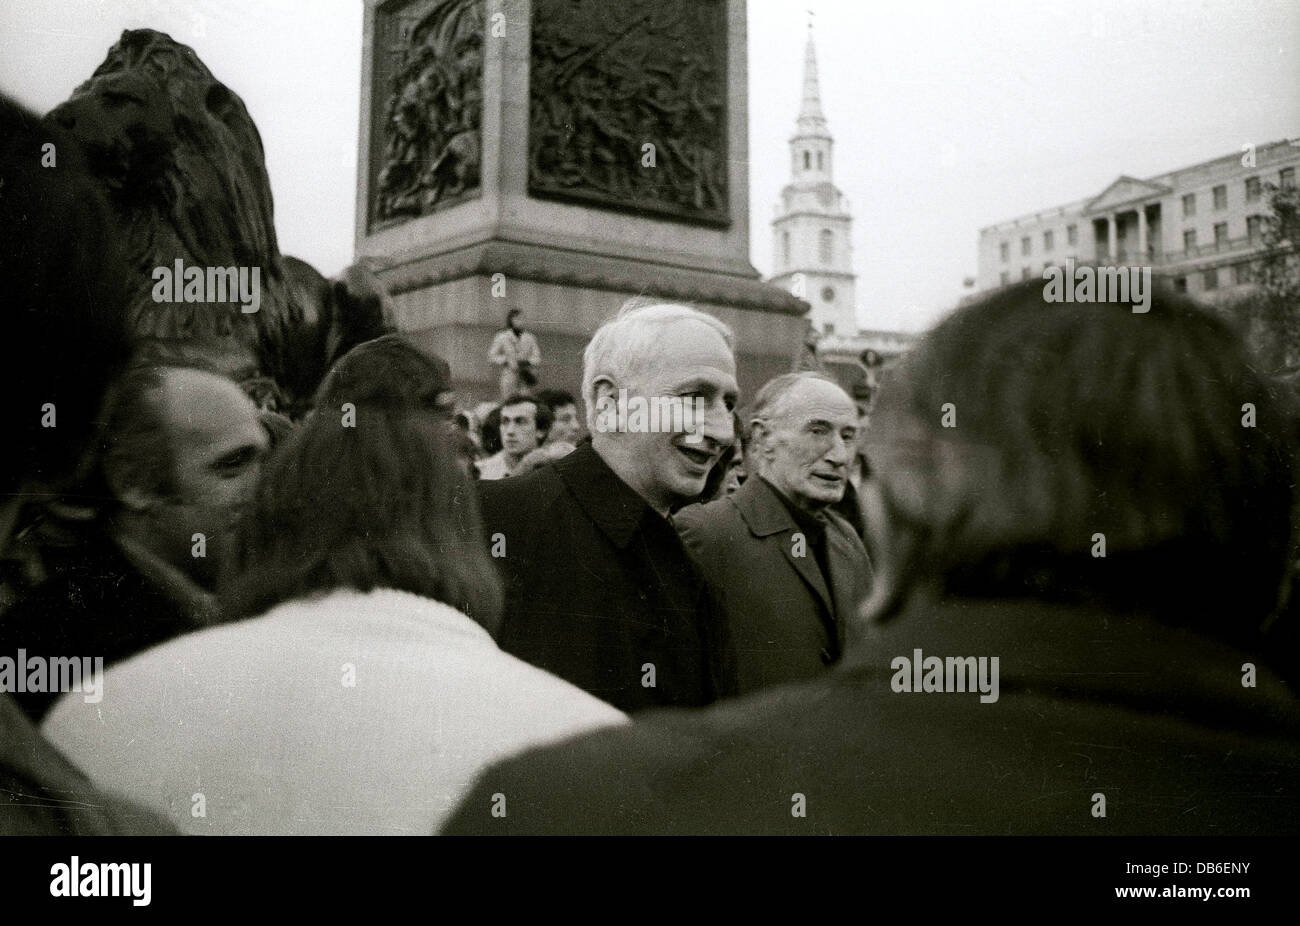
x,y
786,622
1154,720
600,590
100,604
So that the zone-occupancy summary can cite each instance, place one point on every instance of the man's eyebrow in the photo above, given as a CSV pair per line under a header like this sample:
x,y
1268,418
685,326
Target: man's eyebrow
x,y
238,455
701,384
708,387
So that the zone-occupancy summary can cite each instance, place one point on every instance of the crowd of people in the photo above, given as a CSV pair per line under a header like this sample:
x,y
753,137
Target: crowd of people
x,y
394,615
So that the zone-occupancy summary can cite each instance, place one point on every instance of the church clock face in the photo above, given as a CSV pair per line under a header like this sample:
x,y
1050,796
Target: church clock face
x,y
828,294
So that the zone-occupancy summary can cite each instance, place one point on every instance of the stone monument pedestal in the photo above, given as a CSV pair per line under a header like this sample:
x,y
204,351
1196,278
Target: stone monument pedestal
x,y
561,157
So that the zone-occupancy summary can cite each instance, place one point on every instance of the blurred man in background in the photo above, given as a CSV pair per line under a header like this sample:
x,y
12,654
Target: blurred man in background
x,y
524,422
566,424
516,355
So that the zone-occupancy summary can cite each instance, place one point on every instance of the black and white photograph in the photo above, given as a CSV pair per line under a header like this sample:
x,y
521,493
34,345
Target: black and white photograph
x,y
652,418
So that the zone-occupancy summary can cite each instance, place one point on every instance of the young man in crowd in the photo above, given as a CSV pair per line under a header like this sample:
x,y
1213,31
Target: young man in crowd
x,y
566,425
524,423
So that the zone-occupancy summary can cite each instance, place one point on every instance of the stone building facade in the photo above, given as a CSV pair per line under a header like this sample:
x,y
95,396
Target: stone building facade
x,y
1198,226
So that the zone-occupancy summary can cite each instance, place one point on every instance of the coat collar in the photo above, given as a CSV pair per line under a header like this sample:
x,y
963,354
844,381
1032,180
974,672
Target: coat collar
x,y
609,501
1091,652
763,510
195,603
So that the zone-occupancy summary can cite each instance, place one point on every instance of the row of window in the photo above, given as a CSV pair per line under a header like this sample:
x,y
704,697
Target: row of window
x,y
1049,241
1242,273
1254,190
807,161
1254,224
825,246
1024,272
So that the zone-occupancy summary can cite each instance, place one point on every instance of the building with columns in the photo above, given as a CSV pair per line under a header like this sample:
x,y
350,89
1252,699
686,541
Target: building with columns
x,y
812,248
1198,226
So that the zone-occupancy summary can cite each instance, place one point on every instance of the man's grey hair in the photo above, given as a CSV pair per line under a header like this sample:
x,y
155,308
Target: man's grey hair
x,y
767,403
628,343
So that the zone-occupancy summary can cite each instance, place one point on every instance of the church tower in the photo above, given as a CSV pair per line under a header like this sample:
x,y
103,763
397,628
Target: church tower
x,y
812,251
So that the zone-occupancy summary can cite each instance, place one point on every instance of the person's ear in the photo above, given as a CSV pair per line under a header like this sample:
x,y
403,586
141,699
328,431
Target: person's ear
x,y
127,492
605,390
604,405
136,499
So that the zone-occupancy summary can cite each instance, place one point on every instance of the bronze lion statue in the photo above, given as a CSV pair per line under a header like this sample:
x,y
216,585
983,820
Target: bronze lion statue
x,y
182,165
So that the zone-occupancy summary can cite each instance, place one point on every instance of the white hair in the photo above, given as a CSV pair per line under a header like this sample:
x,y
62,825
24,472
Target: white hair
x,y
630,341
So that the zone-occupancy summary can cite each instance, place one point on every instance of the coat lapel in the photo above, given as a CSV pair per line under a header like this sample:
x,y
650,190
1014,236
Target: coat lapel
x,y
847,559
766,515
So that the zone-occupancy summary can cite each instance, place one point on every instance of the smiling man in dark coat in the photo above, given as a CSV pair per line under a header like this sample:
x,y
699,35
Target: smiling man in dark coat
x,y
1080,538
788,571
599,588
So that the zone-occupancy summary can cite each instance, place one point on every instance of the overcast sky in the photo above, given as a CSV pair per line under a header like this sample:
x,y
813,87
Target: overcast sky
x,y
947,116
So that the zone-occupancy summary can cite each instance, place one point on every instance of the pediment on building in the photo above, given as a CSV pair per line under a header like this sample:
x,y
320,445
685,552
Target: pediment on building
x,y
1124,191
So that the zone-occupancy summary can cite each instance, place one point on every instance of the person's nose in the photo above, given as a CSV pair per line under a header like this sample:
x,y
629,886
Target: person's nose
x,y
718,424
840,452
248,485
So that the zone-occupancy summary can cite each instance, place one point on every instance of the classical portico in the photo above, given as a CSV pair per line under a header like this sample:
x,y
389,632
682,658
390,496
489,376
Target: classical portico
x,y
1127,213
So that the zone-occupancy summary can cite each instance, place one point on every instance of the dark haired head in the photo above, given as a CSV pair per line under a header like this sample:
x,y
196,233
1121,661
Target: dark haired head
x,y
66,285
382,504
1019,434
543,418
556,398
137,449
390,372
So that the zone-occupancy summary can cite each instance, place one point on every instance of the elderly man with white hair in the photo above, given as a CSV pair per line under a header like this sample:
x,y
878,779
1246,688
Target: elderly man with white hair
x,y
599,588
788,571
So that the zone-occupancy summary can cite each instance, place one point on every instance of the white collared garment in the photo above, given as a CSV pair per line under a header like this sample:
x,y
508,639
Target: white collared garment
x,y
352,713
493,467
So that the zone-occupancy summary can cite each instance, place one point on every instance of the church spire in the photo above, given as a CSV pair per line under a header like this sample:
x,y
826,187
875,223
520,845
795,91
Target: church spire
x,y
812,228
811,122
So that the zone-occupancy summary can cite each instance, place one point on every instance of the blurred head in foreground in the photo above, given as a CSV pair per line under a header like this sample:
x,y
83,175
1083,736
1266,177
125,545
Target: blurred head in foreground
x,y
66,284
1084,453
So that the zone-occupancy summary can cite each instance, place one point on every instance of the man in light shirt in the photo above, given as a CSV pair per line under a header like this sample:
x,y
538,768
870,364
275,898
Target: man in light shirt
x,y
516,355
